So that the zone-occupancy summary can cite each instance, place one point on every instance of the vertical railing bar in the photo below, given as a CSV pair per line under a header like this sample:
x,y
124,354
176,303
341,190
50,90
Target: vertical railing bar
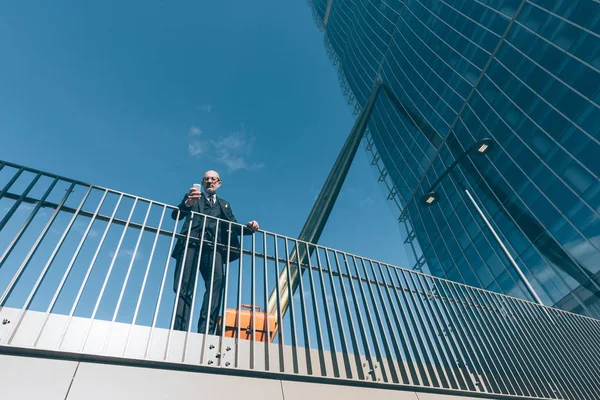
x,y
143,288
210,288
558,367
17,276
426,328
267,317
471,346
67,271
385,344
400,353
239,306
42,274
582,349
582,327
333,349
444,326
587,331
419,375
253,304
421,349
30,218
279,313
109,272
291,306
532,351
162,284
11,181
338,314
18,202
491,356
124,286
444,346
89,270
455,327
477,313
180,282
592,325
225,293
317,319
431,328
481,346
361,324
494,327
516,308
304,316
562,360
488,322
394,368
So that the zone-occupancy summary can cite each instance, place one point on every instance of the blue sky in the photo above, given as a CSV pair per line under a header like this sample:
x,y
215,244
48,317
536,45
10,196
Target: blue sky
x,y
144,97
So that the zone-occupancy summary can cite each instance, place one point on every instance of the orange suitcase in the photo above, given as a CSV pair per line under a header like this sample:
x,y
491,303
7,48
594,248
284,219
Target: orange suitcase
x,y
245,319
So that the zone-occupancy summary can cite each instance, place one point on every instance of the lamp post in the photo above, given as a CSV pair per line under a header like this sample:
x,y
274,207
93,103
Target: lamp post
x,y
431,197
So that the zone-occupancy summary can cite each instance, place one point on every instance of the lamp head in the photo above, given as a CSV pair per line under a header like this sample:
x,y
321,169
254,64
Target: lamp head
x,y
483,146
430,198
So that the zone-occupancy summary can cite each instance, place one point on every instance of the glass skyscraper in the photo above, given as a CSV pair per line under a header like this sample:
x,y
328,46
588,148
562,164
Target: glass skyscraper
x,y
524,73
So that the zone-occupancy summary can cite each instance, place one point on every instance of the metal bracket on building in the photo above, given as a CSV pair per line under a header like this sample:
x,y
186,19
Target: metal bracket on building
x,y
213,352
227,355
370,143
376,159
392,194
410,237
403,215
448,330
372,370
419,264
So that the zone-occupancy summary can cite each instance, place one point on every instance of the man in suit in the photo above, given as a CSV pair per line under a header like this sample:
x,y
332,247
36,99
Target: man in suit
x,y
213,207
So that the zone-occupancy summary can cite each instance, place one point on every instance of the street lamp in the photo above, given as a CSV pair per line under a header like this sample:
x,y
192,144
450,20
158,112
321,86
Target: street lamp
x,y
431,197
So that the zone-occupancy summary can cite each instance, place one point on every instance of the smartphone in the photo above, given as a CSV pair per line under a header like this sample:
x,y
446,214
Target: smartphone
x,y
197,186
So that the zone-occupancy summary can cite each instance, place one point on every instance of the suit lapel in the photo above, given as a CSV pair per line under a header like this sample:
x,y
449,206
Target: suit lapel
x,y
224,213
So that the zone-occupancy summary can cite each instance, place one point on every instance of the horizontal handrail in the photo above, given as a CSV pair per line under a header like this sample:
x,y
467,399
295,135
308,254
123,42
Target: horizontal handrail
x,y
303,266
85,269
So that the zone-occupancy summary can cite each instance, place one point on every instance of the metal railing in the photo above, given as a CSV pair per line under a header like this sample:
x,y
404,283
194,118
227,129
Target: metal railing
x,y
88,270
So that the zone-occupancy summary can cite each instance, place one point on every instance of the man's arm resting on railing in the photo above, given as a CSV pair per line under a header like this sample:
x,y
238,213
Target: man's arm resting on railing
x,y
249,229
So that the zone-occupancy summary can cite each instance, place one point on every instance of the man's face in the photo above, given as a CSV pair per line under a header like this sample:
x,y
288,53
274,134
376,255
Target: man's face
x,y
211,182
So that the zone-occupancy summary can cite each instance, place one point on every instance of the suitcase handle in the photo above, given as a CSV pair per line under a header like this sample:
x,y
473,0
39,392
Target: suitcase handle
x,y
250,306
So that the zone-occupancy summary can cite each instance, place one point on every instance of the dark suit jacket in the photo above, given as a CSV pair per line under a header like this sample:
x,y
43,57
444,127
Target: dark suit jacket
x,y
223,231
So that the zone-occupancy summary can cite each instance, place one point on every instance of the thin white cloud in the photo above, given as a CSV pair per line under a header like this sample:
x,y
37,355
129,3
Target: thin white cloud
x,y
233,150
80,227
127,254
23,207
206,108
195,148
195,130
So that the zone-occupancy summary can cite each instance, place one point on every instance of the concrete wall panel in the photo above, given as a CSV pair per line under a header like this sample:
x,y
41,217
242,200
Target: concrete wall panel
x,y
101,382
303,391
34,378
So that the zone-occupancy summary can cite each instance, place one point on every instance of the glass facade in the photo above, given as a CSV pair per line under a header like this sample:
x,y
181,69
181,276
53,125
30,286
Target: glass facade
x,y
524,73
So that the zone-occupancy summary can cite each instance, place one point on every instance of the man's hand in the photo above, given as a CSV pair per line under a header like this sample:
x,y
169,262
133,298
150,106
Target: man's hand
x,y
252,225
192,197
